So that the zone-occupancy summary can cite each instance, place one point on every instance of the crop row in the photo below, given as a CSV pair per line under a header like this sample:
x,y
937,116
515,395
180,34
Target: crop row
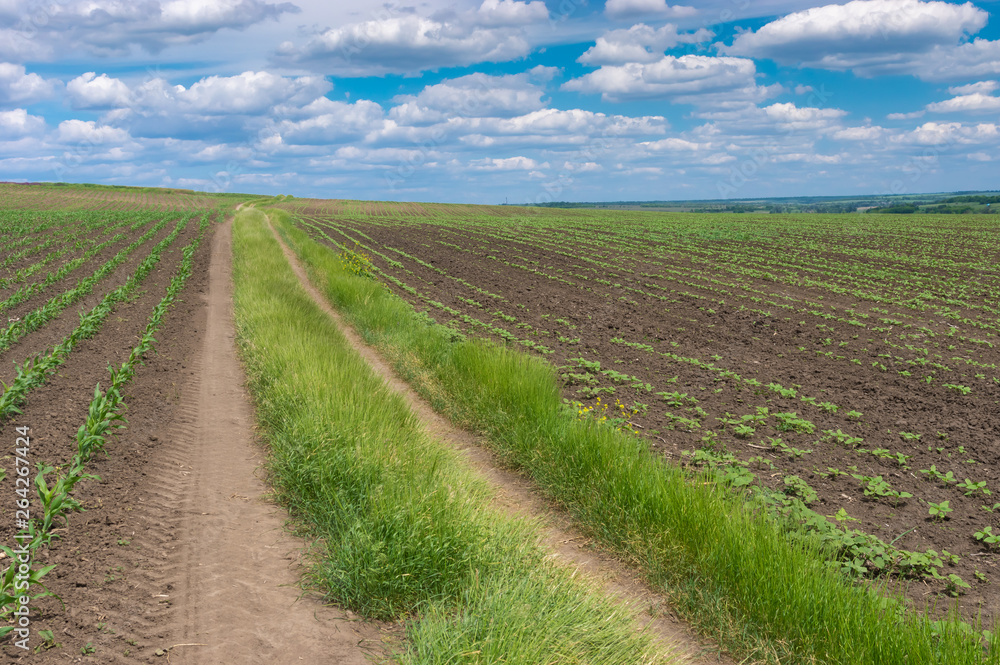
x,y
104,415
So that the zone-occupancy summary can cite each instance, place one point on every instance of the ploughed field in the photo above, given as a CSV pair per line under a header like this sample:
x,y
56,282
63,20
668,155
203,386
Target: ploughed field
x,y
86,279
839,369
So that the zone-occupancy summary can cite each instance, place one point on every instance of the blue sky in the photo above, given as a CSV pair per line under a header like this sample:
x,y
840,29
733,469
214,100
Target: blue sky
x,y
492,100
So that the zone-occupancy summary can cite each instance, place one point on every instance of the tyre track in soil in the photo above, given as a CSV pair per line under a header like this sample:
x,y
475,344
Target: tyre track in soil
x,y
230,570
519,495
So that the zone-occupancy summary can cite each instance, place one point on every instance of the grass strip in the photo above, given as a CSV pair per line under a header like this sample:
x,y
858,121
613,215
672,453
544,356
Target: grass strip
x,y
731,568
405,530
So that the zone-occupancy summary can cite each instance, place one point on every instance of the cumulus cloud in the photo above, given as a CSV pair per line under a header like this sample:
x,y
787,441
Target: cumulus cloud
x,y
870,37
114,27
474,95
950,133
506,164
673,144
332,122
640,43
246,93
694,79
19,123
90,133
410,43
906,116
859,134
17,86
976,59
981,87
92,91
977,102
806,122
619,9
507,13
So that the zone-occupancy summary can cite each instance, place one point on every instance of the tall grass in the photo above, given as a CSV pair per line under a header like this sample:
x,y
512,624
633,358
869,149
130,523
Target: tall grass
x,y
731,568
405,529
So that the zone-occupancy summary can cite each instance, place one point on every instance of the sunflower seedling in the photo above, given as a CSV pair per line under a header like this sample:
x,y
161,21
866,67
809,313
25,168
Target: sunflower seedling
x,y
986,536
971,487
939,511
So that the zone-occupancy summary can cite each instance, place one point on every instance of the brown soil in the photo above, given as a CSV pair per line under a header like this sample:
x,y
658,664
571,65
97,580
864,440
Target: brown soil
x,y
519,495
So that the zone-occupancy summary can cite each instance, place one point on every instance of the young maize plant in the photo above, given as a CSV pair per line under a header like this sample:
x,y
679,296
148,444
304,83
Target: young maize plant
x,y
102,414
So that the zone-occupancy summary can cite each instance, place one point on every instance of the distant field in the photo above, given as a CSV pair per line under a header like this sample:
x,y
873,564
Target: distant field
x,y
845,366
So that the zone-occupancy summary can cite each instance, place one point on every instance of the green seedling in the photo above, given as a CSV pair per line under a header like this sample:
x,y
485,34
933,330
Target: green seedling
x,y
971,487
933,473
790,422
909,436
986,536
879,487
939,511
842,516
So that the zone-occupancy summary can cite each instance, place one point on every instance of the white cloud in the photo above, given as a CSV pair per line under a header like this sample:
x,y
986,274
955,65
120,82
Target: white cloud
x,y
249,92
244,94
673,144
906,116
800,125
983,87
92,91
949,134
631,8
497,13
640,43
410,43
803,89
790,114
90,133
474,95
582,167
859,134
18,123
694,79
867,36
17,86
113,27
506,164
332,122
977,102
976,59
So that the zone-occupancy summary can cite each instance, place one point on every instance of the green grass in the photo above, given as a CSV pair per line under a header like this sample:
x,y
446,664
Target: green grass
x,y
731,570
405,529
